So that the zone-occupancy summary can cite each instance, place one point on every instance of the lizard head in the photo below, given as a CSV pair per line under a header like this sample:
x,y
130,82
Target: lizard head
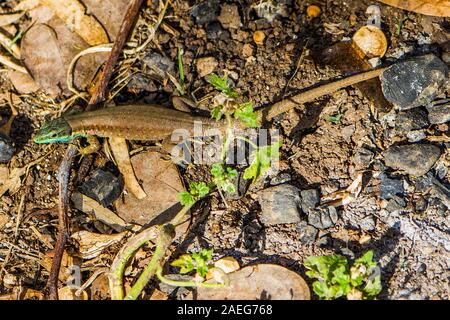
x,y
57,130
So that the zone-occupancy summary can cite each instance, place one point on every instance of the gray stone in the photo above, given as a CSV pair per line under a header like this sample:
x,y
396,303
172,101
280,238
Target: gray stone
x,y
279,205
159,66
367,223
414,159
439,111
413,119
214,31
395,204
6,148
103,186
323,217
206,12
310,199
390,187
281,178
416,136
414,82
306,232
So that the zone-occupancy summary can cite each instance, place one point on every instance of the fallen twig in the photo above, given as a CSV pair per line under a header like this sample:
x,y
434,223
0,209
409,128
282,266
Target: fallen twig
x,y
63,233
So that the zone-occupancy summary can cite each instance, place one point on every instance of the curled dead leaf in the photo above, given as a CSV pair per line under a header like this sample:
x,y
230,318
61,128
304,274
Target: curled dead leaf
x,y
440,8
92,244
72,12
68,293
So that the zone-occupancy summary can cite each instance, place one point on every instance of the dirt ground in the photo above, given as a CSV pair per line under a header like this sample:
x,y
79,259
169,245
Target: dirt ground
x,y
410,241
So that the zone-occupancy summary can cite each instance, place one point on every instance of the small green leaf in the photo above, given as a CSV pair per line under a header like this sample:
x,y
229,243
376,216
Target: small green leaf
x,y
335,119
221,84
373,287
222,177
263,157
247,115
202,260
185,263
216,113
199,189
186,198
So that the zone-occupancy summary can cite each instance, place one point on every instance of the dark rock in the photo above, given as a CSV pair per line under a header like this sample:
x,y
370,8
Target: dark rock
x,y
306,232
103,186
310,199
323,217
206,12
347,252
439,112
214,31
141,82
159,66
414,82
395,204
414,159
390,187
413,119
6,148
279,205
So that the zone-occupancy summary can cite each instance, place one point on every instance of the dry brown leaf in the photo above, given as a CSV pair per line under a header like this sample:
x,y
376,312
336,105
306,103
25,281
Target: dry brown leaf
x,y
120,150
160,179
110,13
261,281
6,19
67,262
99,212
41,55
440,8
23,82
72,12
92,244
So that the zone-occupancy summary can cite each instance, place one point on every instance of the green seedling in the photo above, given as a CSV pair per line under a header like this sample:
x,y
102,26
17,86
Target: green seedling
x,y
262,160
197,190
200,261
181,70
335,279
336,118
222,177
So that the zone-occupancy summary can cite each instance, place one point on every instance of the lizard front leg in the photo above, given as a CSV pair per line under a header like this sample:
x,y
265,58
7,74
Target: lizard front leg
x,y
93,146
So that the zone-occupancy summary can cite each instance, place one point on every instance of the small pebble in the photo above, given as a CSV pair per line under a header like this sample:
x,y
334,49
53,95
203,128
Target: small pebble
x,y
159,65
6,148
310,199
206,66
323,217
439,111
313,11
103,186
413,119
306,232
390,187
279,205
206,12
258,37
229,16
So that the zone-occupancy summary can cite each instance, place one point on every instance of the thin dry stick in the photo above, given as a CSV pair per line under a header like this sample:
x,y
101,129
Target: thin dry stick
x,y
268,113
128,20
71,151
64,174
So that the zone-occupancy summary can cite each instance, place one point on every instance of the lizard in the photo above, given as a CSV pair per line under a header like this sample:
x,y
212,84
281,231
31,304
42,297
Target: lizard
x,y
152,122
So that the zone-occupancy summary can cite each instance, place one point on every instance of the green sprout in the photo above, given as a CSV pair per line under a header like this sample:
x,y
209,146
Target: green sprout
x,y
262,160
335,279
336,118
197,190
181,70
221,84
222,177
199,261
